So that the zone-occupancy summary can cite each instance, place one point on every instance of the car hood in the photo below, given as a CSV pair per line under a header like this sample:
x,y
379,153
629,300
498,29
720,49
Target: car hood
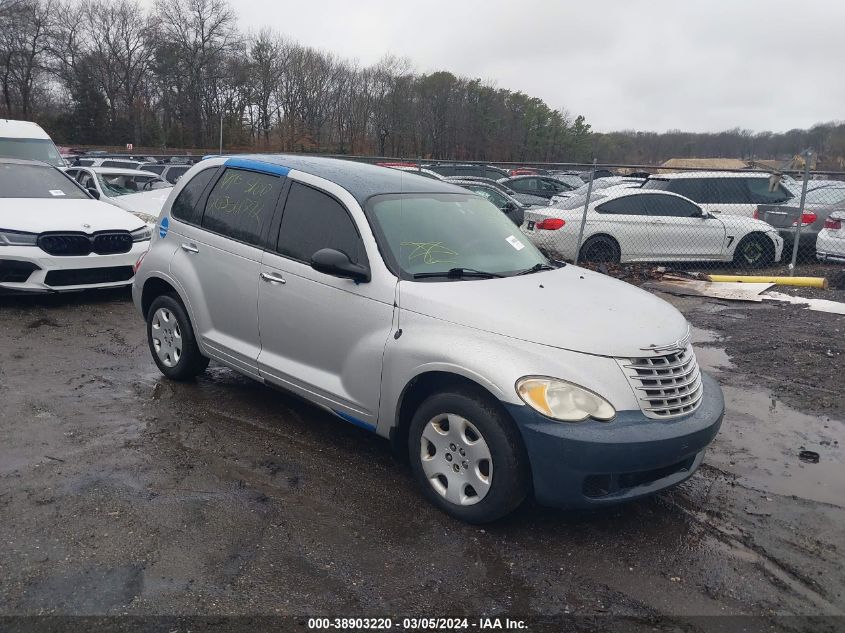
x,y
145,204
36,215
569,308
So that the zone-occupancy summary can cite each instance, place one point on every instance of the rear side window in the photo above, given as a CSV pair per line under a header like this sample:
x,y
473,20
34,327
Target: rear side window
x,y
763,192
313,220
241,204
669,206
627,205
727,191
691,188
185,206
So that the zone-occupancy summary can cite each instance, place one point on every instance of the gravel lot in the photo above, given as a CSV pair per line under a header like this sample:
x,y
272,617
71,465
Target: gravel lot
x,y
121,492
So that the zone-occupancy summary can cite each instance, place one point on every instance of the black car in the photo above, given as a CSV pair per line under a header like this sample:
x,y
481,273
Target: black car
x,y
481,171
542,186
509,205
526,199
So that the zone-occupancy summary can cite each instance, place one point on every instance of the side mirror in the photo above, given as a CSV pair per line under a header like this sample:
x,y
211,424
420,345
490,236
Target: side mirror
x,y
336,263
94,193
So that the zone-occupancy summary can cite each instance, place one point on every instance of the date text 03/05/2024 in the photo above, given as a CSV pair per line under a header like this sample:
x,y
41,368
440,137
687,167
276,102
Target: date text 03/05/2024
x,y
418,624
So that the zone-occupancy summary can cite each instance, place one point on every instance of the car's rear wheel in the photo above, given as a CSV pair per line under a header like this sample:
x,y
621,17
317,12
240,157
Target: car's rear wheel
x,y
600,249
754,251
468,456
172,341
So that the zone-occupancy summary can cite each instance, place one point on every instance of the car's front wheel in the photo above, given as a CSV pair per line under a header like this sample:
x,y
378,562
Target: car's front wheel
x,y
171,339
468,456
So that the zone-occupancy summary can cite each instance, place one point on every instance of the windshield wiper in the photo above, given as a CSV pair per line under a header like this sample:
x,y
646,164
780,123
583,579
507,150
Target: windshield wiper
x,y
458,273
536,268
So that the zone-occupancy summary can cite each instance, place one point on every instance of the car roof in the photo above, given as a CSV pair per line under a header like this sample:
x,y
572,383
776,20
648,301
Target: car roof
x,y
10,128
709,174
118,171
360,179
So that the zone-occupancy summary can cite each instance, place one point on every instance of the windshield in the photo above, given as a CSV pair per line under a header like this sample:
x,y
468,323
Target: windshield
x,y
424,233
41,149
115,185
35,181
826,195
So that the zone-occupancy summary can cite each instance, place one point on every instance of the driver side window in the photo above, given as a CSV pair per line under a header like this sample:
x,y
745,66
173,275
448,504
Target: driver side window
x,y
313,220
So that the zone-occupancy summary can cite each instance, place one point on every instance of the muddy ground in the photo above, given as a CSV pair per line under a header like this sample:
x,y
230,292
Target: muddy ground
x,y
121,492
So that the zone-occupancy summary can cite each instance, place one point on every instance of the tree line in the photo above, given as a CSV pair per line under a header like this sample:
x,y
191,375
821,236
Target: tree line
x,y
110,72
100,72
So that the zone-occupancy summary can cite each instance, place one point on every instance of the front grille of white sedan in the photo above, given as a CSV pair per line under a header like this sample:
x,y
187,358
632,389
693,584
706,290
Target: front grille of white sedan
x,y
667,386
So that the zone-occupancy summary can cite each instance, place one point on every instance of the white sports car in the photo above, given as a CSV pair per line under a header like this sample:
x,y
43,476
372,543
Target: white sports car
x,y
55,237
633,225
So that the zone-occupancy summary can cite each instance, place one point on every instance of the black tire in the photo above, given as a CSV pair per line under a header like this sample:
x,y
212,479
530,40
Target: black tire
x,y
190,362
510,479
600,249
754,251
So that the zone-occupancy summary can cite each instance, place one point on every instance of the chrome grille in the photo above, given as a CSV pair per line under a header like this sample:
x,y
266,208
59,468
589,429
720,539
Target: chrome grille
x,y
668,385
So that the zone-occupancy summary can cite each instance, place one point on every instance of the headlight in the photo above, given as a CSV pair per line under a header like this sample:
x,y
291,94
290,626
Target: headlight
x,y
142,235
17,238
563,401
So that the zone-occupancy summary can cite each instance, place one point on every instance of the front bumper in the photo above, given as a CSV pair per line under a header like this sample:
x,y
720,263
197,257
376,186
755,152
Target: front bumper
x,y
590,464
63,274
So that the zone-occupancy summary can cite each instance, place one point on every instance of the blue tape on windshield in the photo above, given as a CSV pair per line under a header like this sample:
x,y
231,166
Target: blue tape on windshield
x,y
257,165
355,421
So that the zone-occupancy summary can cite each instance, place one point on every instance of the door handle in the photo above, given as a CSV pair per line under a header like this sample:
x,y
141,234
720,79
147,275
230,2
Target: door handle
x,y
273,278
191,248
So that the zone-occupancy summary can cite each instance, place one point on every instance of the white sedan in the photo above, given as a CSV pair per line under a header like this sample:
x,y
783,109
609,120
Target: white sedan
x,y
830,244
635,225
140,192
55,237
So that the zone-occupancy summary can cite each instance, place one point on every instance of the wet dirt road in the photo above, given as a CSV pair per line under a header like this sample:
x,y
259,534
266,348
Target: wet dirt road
x,y
121,492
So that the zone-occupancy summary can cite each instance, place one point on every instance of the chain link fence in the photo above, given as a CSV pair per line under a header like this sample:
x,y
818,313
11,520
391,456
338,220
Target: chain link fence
x,y
743,220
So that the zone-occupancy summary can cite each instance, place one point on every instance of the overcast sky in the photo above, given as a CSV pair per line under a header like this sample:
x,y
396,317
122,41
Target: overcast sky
x,y
624,64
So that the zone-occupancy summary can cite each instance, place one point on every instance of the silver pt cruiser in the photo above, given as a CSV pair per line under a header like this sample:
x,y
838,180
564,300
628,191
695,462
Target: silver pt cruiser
x,y
415,309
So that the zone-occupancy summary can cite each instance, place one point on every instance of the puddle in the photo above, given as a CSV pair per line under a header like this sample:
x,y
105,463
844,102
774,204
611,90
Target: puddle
x,y
710,358
761,440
